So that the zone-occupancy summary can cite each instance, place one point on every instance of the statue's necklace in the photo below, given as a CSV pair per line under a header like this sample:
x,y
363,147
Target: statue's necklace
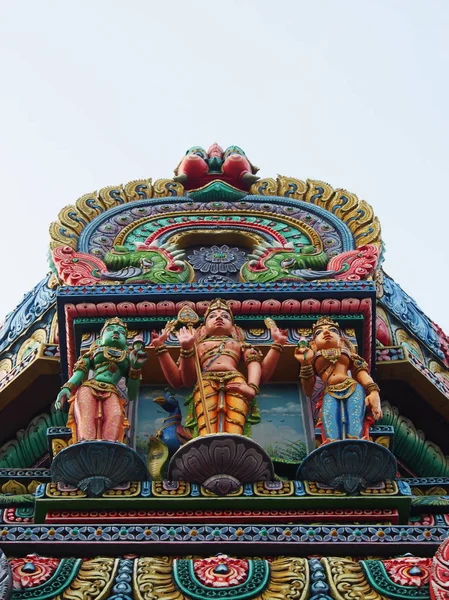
x,y
114,355
331,354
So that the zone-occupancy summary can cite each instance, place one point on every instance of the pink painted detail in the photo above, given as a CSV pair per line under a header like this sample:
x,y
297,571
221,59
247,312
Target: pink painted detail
x,y
44,569
211,571
425,520
361,261
233,167
439,573
383,332
209,223
77,268
398,570
9,516
215,150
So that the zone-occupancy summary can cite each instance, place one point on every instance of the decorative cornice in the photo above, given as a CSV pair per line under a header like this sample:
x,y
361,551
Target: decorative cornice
x,y
357,214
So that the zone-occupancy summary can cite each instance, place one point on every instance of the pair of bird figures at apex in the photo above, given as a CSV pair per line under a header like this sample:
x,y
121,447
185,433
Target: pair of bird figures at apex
x,y
223,400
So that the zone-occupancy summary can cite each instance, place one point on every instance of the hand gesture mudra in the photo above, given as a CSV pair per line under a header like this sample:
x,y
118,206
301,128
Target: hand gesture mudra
x,y
304,355
186,338
137,358
159,340
279,336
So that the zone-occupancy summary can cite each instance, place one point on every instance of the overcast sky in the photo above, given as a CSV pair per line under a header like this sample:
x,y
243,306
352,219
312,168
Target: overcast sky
x,y
352,92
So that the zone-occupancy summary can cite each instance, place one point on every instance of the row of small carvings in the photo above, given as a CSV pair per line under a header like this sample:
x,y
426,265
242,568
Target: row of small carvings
x,y
16,493
179,489
168,532
159,578
21,515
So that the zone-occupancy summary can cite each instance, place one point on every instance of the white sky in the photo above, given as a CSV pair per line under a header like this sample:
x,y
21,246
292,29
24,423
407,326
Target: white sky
x,y
352,92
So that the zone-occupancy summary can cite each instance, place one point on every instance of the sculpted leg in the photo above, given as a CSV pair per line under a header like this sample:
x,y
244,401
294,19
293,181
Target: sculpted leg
x,y
211,395
331,418
86,414
355,409
236,411
112,429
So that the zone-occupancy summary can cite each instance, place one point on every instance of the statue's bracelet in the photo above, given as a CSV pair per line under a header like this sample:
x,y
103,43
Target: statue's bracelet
x,y
69,386
255,387
188,353
306,372
278,347
135,373
371,387
160,349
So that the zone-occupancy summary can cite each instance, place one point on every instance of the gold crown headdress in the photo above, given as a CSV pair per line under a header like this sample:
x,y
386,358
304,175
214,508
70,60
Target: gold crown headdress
x,y
324,321
216,304
114,320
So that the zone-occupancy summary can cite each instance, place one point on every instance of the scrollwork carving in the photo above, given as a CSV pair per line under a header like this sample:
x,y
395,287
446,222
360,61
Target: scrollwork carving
x,y
153,579
347,580
93,581
164,188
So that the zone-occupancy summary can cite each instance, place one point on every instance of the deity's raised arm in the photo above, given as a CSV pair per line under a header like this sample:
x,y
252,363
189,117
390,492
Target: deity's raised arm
x,y
224,401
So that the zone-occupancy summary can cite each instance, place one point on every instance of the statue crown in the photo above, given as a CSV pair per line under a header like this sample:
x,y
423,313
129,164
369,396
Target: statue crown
x,y
114,320
324,321
221,304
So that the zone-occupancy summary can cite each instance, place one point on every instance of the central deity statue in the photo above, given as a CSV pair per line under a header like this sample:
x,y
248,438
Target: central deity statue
x,y
224,401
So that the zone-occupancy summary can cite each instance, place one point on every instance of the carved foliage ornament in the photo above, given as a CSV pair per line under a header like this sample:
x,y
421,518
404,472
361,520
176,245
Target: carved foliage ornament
x,y
32,570
347,580
282,578
439,578
357,214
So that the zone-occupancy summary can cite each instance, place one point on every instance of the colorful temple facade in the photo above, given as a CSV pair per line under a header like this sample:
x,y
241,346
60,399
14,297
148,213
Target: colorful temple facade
x,y
217,392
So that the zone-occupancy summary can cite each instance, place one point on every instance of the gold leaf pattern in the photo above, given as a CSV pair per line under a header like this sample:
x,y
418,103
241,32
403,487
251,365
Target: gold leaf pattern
x,y
318,193
291,187
357,214
93,581
153,579
289,579
139,189
90,205
113,195
57,445
70,216
265,187
62,236
347,580
164,188
5,365
14,488
37,338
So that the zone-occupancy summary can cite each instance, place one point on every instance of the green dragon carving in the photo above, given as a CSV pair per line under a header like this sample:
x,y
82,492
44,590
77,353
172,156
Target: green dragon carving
x,y
155,265
272,264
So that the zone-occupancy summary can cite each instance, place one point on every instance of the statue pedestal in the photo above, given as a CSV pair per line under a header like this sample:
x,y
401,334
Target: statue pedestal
x,y
97,466
221,462
349,465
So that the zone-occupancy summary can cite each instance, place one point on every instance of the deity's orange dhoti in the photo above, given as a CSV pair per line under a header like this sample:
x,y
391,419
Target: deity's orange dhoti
x,y
227,410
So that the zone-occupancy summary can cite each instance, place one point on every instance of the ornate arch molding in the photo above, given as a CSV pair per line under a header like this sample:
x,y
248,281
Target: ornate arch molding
x,y
345,207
